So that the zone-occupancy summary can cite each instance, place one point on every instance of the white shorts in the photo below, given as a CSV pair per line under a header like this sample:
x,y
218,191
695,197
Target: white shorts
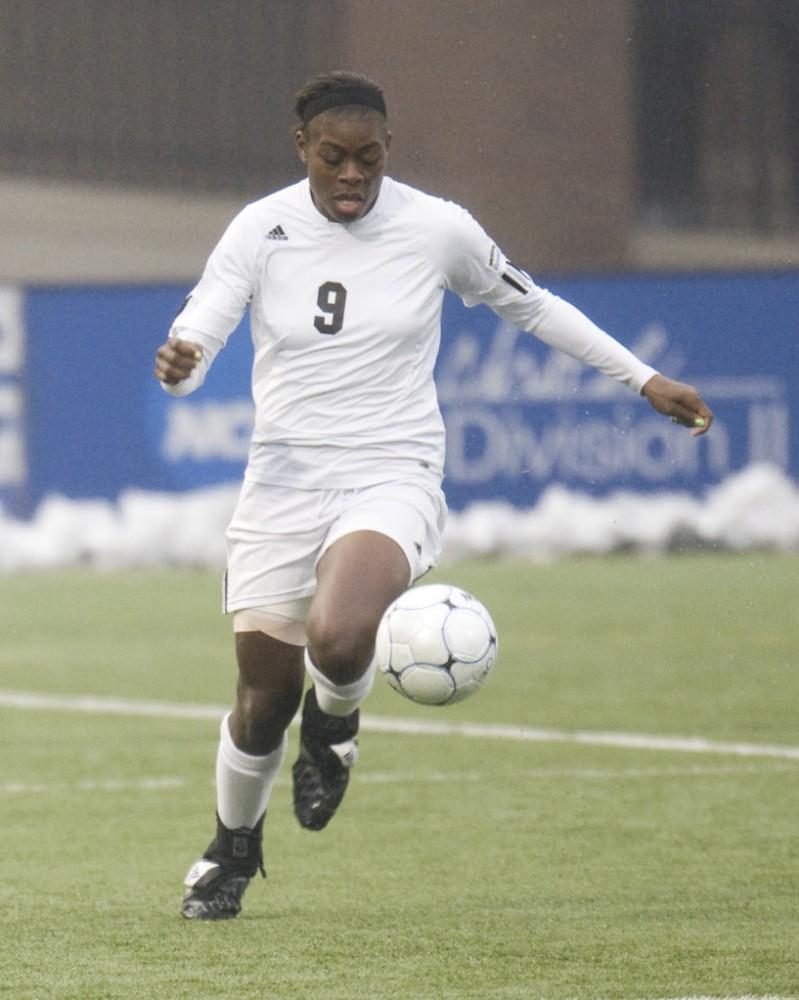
x,y
278,535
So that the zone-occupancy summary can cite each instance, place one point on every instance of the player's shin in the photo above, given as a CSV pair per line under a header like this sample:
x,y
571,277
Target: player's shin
x,y
340,700
244,782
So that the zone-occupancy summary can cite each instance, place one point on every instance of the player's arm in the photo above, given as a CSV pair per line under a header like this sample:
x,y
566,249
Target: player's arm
x,y
563,326
481,273
213,309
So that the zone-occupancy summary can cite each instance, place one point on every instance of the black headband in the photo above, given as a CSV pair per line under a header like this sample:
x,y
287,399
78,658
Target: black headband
x,y
341,96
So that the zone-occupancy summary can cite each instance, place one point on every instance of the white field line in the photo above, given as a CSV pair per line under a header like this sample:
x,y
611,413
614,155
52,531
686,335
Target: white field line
x,y
101,705
575,773
92,785
170,783
406,727
625,741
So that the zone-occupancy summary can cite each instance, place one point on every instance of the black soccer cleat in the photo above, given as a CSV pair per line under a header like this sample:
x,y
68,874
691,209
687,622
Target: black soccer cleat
x,y
328,749
216,883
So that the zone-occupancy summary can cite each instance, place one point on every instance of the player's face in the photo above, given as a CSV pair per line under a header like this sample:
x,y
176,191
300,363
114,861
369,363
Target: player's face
x,y
346,155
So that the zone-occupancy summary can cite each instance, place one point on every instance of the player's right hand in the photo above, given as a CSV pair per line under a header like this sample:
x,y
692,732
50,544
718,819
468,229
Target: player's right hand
x,y
176,360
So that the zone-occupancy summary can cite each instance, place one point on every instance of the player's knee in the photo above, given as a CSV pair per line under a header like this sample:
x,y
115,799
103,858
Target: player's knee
x,y
342,654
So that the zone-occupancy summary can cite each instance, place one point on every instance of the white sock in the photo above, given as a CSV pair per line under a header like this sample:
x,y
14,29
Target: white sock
x,y
340,699
243,782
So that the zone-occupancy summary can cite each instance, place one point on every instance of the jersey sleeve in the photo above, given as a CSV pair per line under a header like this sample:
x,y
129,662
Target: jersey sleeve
x,y
478,271
216,304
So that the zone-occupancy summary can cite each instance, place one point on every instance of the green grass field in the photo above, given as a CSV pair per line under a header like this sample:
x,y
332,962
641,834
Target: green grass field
x,y
461,866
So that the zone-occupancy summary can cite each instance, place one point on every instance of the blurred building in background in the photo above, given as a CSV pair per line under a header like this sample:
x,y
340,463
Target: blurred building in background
x,y
586,136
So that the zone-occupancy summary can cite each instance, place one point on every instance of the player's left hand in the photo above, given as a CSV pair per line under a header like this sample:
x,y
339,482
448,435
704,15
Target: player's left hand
x,y
679,401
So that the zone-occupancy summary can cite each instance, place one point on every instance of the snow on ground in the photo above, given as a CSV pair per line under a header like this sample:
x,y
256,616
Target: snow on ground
x,y
756,508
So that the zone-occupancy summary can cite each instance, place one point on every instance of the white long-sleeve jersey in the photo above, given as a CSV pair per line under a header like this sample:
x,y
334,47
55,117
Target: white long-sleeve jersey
x,y
345,322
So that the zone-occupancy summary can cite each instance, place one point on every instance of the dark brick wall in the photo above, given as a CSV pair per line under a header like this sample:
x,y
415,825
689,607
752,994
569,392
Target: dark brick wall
x,y
519,109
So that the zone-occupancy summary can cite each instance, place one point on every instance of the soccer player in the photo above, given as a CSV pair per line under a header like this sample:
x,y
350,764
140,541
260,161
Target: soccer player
x,y
341,508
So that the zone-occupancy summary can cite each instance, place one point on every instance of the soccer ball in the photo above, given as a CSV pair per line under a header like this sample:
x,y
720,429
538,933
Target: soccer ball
x,y
436,644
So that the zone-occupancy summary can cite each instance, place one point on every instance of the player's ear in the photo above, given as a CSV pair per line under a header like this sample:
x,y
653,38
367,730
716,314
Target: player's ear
x,y
302,145
388,141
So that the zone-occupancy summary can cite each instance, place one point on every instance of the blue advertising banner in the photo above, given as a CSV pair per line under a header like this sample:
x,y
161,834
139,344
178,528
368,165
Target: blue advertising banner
x,y
81,415
520,416
13,465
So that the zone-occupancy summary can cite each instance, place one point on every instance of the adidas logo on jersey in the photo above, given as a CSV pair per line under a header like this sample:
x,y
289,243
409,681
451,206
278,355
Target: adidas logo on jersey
x,y
278,233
